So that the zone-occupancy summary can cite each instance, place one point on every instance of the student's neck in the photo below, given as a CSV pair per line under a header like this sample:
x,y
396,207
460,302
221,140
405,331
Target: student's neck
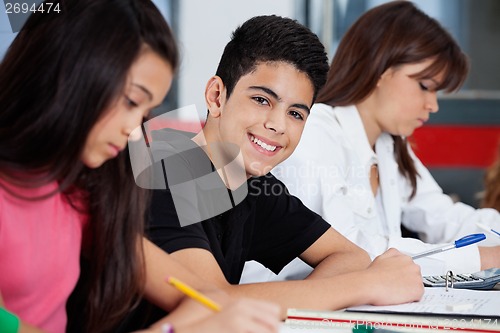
x,y
200,139
231,172
372,128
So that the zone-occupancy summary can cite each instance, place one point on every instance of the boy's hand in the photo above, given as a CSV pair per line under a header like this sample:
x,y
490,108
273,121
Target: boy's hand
x,y
396,279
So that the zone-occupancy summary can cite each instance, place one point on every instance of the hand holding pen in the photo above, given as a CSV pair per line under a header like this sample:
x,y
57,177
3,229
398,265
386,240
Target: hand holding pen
x,y
464,241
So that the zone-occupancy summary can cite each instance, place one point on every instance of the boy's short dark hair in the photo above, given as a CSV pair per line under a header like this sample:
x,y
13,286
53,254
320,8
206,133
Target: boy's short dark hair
x,y
273,38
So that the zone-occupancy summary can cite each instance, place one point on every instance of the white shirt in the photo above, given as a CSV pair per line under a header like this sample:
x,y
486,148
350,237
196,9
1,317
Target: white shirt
x,y
329,171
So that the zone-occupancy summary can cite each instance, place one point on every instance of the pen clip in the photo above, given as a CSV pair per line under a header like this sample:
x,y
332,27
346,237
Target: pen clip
x,y
470,239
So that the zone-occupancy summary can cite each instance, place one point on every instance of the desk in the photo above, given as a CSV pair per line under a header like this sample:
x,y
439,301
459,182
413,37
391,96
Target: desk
x,y
432,313
290,328
343,322
285,328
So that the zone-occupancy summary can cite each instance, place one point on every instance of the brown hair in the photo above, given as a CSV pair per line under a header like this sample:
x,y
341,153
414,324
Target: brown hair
x,y
393,34
491,197
59,77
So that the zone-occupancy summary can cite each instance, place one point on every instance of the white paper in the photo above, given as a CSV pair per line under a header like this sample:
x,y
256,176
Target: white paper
x,y
439,301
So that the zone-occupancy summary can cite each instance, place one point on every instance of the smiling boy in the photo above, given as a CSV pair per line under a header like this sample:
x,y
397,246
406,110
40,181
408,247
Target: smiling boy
x,y
259,99
264,116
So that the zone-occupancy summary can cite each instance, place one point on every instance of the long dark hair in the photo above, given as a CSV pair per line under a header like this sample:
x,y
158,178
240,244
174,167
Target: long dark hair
x,y
386,36
60,74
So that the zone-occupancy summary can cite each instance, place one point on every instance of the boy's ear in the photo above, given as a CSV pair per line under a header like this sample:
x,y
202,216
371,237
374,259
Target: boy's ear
x,y
215,95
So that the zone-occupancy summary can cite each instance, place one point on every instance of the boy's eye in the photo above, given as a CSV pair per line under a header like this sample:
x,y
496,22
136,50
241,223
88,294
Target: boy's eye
x,y
261,100
296,115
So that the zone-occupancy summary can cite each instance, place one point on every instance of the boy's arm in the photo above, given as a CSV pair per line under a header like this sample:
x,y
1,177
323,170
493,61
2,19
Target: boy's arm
x,y
159,266
190,316
333,254
391,279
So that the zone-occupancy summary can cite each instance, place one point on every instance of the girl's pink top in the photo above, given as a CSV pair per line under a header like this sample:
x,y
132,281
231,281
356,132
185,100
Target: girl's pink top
x,y
40,244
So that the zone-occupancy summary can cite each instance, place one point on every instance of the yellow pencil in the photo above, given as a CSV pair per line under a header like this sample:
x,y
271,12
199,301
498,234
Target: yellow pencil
x,y
197,296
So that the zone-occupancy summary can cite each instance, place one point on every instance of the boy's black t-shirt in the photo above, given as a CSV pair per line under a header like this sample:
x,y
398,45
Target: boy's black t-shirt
x,y
267,225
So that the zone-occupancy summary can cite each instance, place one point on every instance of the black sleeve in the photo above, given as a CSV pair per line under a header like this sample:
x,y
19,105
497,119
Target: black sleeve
x,y
284,227
164,228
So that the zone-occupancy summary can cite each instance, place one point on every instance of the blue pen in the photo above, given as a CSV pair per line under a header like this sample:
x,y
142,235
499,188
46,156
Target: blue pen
x,y
488,229
464,241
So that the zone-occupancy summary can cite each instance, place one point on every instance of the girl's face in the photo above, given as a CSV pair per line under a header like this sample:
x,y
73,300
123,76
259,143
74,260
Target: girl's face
x,y
148,82
403,102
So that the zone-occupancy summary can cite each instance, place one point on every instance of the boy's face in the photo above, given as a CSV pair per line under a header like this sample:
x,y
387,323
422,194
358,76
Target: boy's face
x,y
264,115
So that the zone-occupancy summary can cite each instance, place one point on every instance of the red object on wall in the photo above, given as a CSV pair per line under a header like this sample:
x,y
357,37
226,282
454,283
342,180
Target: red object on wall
x,y
456,146
160,123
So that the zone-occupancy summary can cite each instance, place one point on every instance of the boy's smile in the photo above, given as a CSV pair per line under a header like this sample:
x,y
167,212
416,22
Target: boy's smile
x,y
265,146
264,115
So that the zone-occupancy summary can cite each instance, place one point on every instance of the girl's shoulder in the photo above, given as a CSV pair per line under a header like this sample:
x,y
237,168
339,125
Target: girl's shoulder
x,y
10,191
42,203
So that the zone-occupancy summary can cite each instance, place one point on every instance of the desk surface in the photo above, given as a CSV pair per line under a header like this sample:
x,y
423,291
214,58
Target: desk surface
x,y
287,328
343,322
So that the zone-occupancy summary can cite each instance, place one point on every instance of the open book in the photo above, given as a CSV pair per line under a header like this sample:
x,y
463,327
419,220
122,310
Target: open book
x,y
460,310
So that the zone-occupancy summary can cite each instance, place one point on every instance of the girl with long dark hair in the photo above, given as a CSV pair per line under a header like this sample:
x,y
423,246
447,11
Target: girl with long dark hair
x,y
73,85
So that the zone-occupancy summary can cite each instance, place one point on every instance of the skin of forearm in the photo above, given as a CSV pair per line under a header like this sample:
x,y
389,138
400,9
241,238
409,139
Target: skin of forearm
x,y
183,316
340,263
391,271
159,266
490,257
331,293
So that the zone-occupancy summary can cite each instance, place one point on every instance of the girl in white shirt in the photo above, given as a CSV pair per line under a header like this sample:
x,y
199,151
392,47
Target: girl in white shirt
x,y
354,165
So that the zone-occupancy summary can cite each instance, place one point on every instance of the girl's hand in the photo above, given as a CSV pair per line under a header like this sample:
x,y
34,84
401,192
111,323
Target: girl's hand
x,y
238,316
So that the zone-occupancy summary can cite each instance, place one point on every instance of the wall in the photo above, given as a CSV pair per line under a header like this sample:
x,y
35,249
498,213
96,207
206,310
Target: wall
x,y
459,143
6,35
204,29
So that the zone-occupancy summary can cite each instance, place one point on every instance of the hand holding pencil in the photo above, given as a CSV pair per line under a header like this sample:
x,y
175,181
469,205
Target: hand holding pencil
x,y
190,292
237,316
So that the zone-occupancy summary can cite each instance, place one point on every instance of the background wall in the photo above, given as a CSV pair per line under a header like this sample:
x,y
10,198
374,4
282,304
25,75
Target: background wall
x,y
458,142
6,35
204,29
